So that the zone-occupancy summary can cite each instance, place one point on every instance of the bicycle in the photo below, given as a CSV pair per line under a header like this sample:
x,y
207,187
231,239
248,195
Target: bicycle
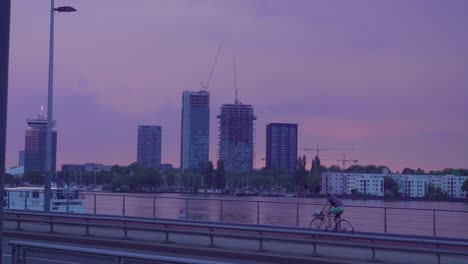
x,y
320,221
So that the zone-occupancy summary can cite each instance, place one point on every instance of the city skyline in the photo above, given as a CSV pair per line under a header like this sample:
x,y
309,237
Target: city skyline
x,y
388,79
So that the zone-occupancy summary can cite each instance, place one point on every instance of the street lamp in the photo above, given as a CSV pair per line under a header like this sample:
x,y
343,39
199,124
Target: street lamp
x,y
48,174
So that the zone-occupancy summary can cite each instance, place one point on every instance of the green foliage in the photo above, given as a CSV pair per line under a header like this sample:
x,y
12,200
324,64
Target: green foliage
x,y
12,180
390,186
365,169
220,181
134,178
465,187
301,173
334,168
33,177
435,192
208,173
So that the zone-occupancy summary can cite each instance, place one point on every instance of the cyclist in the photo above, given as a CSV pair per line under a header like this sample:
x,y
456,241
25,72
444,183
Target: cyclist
x,y
336,207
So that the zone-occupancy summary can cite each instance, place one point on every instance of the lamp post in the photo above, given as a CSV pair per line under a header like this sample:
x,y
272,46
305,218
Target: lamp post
x,y
48,174
4,55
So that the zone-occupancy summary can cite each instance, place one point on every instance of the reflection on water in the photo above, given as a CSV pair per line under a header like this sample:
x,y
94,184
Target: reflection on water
x,y
399,217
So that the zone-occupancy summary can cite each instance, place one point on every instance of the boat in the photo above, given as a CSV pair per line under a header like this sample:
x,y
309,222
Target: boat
x,y
271,193
65,200
246,192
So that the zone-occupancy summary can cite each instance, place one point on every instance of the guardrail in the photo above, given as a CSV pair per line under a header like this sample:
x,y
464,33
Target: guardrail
x,y
416,221
259,234
24,251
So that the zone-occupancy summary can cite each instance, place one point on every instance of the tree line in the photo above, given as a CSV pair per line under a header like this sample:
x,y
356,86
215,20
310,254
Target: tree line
x,y
137,178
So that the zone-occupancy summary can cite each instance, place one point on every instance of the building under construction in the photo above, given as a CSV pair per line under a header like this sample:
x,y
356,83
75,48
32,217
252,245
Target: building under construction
x,y
236,137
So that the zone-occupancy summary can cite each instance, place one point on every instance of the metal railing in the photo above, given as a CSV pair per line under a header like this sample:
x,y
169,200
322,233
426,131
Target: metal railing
x,y
416,221
32,252
260,234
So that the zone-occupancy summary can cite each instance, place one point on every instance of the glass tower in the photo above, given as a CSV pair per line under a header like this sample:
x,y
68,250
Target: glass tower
x,y
195,134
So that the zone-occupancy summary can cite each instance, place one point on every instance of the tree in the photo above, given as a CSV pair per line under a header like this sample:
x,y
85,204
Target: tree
x,y
34,177
220,175
465,187
355,169
301,173
316,161
334,168
433,192
408,171
208,174
390,186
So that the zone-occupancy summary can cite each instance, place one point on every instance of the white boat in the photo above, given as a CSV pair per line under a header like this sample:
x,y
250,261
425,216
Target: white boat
x,y
32,198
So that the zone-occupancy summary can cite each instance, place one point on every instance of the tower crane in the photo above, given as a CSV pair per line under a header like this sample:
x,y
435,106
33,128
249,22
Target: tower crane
x,y
344,161
206,85
317,149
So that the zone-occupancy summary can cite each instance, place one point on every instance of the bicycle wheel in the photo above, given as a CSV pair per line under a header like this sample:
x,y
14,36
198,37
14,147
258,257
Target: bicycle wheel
x,y
344,225
317,224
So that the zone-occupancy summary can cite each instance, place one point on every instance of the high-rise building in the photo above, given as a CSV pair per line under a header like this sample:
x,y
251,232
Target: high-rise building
x,y
35,146
21,158
236,137
195,132
149,146
281,146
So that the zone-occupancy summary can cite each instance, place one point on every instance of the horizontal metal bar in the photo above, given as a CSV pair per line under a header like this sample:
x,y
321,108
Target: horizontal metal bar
x,y
112,253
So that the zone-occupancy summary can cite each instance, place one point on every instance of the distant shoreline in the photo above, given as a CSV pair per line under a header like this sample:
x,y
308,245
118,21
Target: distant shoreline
x,y
313,195
396,199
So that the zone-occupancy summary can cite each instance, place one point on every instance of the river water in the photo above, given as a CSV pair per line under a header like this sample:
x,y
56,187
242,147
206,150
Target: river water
x,y
400,217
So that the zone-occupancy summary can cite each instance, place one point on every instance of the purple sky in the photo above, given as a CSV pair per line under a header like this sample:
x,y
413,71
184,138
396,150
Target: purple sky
x,y
388,78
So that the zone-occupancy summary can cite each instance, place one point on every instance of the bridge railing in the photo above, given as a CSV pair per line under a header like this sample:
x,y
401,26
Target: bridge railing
x,y
32,252
384,219
214,231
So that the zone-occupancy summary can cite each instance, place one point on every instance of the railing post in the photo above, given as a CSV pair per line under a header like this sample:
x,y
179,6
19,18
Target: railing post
x,y
18,223
125,230
211,238
385,219
68,201
123,205
434,222
94,209
258,212
221,210
8,198
87,228
51,223
154,206
15,255
186,208
166,233
26,200
297,214
315,254
260,240
373,259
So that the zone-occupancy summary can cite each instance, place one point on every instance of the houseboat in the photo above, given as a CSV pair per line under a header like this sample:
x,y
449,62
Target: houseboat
x,y
32,198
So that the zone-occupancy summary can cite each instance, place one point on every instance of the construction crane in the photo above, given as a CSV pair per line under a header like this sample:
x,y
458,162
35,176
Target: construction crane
x,y
236,93
317,149
344,161
206,85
